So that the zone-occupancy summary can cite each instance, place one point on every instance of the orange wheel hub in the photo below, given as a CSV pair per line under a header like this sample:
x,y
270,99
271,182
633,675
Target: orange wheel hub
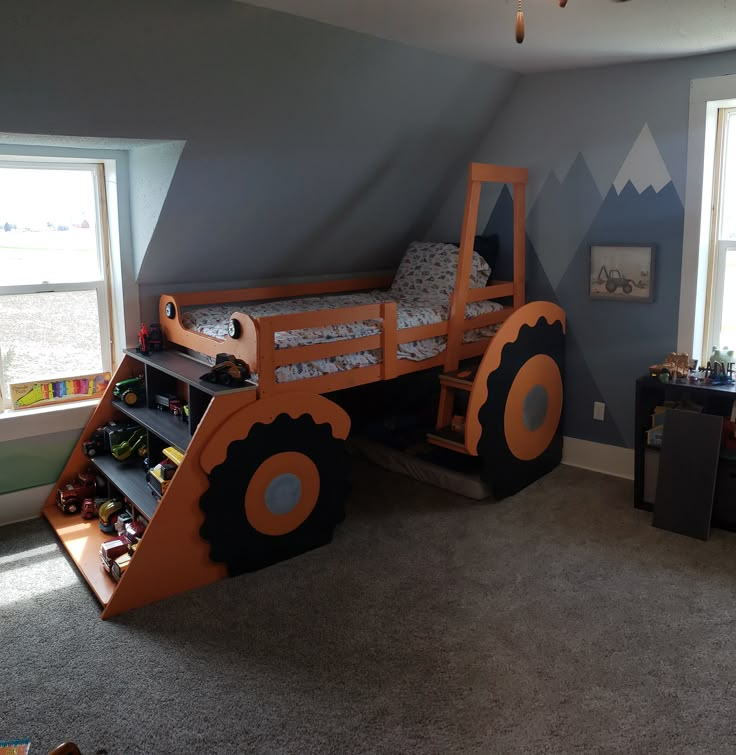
x,y
282,493
533,408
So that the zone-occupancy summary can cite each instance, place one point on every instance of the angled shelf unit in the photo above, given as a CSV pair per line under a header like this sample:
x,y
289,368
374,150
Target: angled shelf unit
x,y
157,568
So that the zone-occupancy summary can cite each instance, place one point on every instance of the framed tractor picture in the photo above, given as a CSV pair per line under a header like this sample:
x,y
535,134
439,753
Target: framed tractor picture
x,y
622,272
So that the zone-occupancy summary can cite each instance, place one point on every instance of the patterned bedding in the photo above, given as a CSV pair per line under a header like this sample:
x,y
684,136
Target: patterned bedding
x,y
213,321
421,288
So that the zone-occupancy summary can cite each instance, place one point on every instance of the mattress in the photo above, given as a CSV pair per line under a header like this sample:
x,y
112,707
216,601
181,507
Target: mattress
x,y
212,320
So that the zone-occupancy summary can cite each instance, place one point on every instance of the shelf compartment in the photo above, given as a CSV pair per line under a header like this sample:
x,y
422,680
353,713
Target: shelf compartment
x,y
81,539
130,480
187,370
163,424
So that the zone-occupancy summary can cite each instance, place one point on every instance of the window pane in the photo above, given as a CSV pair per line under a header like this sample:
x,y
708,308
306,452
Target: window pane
x,y
48,336
47,226
728,198
728,323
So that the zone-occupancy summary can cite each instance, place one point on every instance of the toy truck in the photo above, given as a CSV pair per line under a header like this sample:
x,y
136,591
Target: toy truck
x,y
70,497
227,370
158,477
96,443
91,507
110,550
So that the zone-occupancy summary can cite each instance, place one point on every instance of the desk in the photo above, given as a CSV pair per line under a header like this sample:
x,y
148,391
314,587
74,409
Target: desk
x,y
715,399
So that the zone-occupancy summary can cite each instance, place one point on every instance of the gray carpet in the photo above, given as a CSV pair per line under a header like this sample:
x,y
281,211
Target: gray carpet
x,y
558,621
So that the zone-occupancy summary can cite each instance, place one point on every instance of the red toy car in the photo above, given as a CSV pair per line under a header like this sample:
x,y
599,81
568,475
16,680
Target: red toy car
x,y
91,507
69,498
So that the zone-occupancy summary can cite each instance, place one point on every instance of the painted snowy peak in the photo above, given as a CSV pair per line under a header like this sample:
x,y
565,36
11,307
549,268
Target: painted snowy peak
x,y
644,166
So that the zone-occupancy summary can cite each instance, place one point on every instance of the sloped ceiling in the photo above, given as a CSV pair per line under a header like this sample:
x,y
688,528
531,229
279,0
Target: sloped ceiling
x,y
585,33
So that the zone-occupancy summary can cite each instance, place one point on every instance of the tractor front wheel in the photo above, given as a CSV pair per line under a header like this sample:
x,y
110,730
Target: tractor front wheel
x,y
628,288
280,492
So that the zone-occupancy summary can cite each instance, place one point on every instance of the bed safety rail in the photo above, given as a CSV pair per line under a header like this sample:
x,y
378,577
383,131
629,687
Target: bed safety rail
x,y
270,358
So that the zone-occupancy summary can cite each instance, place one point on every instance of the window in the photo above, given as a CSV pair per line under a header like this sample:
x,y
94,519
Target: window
x,y
54,272
721,310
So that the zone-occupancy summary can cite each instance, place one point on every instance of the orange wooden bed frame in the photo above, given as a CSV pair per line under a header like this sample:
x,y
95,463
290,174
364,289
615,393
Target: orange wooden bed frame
x,y
255,335
266,472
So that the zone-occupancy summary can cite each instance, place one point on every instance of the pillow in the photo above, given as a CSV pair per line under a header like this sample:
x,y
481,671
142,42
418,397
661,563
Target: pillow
x,y
428,270
488,248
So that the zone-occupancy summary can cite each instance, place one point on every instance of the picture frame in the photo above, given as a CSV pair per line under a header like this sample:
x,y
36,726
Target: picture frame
x,y
622,272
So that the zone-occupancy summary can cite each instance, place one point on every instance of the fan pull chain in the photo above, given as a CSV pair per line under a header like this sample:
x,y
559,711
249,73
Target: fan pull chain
x,y
520,24
520,27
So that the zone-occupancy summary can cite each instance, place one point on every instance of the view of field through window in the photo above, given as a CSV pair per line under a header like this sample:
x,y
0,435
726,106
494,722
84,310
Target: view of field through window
x,y
48,243
727,233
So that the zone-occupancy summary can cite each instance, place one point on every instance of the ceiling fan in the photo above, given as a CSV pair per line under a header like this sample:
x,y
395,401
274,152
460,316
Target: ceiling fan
x,y
520,28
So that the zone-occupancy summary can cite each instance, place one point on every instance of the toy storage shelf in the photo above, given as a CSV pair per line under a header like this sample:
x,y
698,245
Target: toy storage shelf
x,y
82,539
129,478
163,424
165,372
186,369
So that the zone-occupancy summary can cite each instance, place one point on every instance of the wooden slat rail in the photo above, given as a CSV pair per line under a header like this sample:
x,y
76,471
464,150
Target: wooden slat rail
x,y
420,332
326,350
320,318
287,291
487,318
271,357
494,291
389,340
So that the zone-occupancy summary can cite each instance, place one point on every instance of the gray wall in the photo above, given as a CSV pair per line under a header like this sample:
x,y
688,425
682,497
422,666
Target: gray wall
x,y
310,150
574,131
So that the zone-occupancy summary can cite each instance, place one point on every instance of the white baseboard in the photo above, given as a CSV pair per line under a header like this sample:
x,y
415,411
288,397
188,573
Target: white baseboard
x,y
598,457
23,504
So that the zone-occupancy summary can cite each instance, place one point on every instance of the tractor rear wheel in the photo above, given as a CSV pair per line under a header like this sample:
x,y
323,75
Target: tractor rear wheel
x,y
280,492
610,285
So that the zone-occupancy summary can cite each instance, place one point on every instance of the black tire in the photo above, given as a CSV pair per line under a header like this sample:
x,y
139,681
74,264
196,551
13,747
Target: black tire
x,y
610,285
170,310
91,452
233,329
504,472
628,288
233,540
72,508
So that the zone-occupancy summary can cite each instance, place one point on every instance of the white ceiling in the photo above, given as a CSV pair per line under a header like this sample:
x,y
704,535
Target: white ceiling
x,y
586,32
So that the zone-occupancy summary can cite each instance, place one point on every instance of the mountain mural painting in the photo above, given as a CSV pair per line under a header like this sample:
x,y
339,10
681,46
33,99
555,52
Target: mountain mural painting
x,y
609,344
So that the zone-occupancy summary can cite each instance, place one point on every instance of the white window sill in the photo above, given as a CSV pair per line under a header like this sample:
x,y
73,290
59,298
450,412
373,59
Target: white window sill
x,y
27,423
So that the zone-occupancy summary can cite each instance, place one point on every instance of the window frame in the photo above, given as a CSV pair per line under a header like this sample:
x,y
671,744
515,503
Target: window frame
x,y
707,97
113,187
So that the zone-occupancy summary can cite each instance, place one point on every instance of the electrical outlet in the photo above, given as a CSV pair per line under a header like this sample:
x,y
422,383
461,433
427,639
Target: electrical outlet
x,y
599,411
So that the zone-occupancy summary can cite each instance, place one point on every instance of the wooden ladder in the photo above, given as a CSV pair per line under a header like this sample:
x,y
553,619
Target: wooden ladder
x,y
450,427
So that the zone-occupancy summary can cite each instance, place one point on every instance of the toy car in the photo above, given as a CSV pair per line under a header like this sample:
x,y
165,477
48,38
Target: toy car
x,y
163,401
158,477
131,391
227,371
108,514
69,498
123,520
90,507
96,444
134,531
120,565
110,550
